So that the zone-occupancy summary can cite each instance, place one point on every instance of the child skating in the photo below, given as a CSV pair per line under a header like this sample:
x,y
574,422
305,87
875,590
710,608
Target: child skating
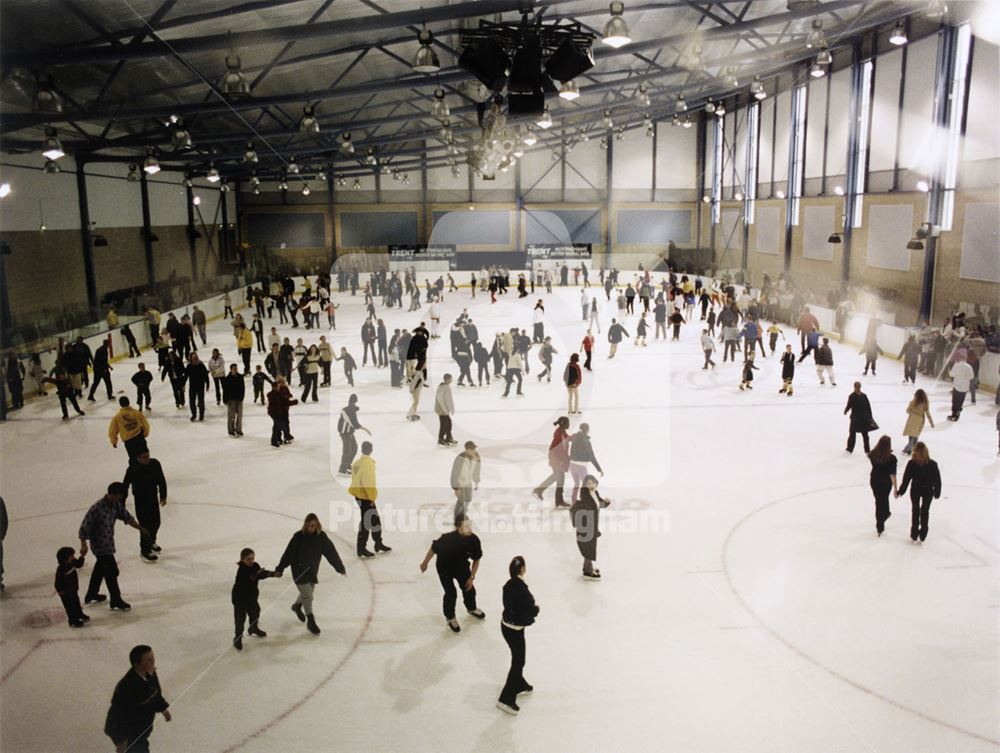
x,y
787,371
748,370
245,596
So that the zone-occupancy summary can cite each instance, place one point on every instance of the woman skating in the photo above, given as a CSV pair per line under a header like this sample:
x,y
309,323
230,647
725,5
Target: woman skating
x,y
585,514
926,478
917,411
558,462
303,554
519,612
787,371
882,480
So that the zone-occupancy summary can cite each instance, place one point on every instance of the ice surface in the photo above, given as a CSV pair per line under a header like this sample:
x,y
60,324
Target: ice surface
x,y
755,610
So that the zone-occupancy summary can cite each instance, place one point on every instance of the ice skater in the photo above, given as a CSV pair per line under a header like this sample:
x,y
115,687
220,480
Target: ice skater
x,y
149,494
926,486
454,551
882,480
787,370
746,381
558,458
364,489
136,702
303,554
246,594
708,348
916,412
67,585
585,513
862,421
581,453
519,612
142,379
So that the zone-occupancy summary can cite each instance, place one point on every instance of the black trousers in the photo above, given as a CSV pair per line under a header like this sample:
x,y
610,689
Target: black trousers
x,y
106,570
511,375
260,342
629,305
482,369
71,603
240,614
147,512
957,401
101,376
142,394
869,363
196,395
910,371
135,446
280,430
882,511
444,430
309,382
383,355
326,371
133,349
463,370
708,358
588,354
920,506
728,350
72,399
448,581
515,676
370,523
177,385
245,355
851,438
368,346
349,450
218,390
539,333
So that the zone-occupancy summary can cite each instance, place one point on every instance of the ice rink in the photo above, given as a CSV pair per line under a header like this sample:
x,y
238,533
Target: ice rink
x,y
747,604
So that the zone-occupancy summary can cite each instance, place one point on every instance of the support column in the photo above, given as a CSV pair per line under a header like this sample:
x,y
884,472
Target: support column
x,y
850,190
147,231
224,235
609,167
87,241
700,142
332,216
192,240
518,206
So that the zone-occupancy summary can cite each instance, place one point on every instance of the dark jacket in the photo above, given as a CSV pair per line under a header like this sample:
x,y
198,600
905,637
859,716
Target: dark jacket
x,y
279,400
824,356
787,365
519,606
616,332
882,473
142,378
582,451
147,481
585,514
861,412
234,387
926,479
67,581
303,554
101,359
197,376
134,706
245,590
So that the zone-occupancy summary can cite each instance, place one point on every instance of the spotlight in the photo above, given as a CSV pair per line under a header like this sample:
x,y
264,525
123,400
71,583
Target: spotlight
x,y
283,185
46,100
395,174
357,184
254,180
53,147
234,83
839,190
616,33
817,70
738,196
643,95
525,68
4,190
306,190
488,62
133,174
604,142
224,187
681,105
706,199
709,106
51,166
824,57
529,138
731,79
936,9
720,110
151,165
250,155
293,167
546,120
606,120
181,137
569,90
308,123
779,194
569,61
341,181
212,176
440,108
346,146
816,38
923,186
898,35
255,191
686,121
757,88
426,60
196,200
321,176
693,61
406,179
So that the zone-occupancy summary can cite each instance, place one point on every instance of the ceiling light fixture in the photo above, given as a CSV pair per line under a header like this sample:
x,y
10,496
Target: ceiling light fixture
x,y
46,100
898,35
151,165
346,145
4,190
936,9
51,166
308,123
720,110
817,70
757,88
357,184
839,190
426,60
133,174
234,83
529,138
643,95
250,155
731,79
824,57
569,91
681,105
306,190
546,120
616,33
341,181
53,149
293,167
709,106
212,176
283,185
607,121
440,109
816,38
180,139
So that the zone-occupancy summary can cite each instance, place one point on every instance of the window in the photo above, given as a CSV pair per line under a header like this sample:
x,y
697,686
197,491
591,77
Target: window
x,y
863,127
796,165
717,149
956,106
753,151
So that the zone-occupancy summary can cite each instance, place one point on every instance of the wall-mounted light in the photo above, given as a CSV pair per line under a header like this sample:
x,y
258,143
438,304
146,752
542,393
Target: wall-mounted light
x,y
898,35
835,238
923,186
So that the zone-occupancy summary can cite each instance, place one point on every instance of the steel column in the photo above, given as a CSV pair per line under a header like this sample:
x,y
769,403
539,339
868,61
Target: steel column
x,y
192,241
90,277
147,230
